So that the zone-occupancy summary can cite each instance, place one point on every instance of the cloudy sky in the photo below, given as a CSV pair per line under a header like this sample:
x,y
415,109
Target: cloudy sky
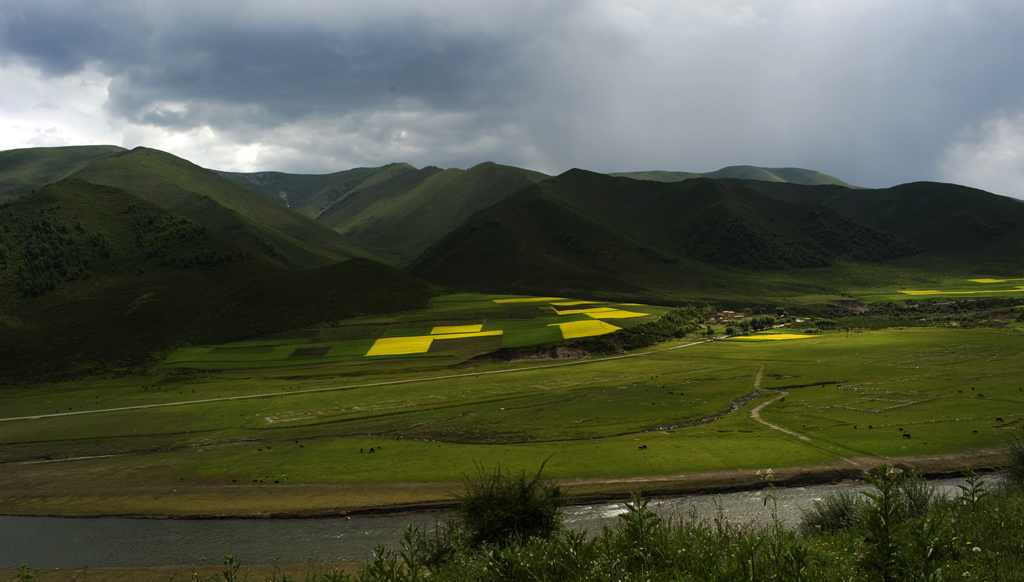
x,y
874,92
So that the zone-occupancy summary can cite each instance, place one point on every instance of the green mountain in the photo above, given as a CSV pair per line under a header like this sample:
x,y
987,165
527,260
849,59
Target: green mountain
x,y
252,221
311,194
396,209
964,225
593,232
789,175
25,170
94,279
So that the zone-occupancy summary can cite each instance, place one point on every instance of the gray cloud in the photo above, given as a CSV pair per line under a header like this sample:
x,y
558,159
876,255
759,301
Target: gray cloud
x,y
872,91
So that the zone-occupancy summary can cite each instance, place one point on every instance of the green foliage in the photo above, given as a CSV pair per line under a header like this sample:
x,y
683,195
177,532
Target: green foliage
x,y
675,324
26,574
498,508
834,513
947,542
1014,450
231,567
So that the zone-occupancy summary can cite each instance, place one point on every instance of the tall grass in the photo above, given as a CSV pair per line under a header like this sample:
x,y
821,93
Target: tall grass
x,y
897,530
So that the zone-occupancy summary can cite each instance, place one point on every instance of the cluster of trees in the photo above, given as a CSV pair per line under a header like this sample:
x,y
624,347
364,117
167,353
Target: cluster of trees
x,y
49,252
176,241
203,258
924,313
749,324
737,244
839,237
675,324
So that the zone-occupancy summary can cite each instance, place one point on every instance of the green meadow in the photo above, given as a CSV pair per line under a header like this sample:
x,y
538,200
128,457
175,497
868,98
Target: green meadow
x,y
955,289
261,423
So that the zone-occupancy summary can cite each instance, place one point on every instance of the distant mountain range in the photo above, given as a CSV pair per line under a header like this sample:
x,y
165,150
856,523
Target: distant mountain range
x,y
787,175
109,257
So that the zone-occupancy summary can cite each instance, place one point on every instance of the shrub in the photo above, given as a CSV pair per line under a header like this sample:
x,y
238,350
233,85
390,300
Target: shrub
x,y
500,508
835,512
1014,469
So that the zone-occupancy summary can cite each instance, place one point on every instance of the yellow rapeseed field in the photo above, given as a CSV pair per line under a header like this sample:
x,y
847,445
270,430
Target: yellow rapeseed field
x,y
773,336
568,303
574,329
529,300
935,292
987,280
396,346
602,313
456,329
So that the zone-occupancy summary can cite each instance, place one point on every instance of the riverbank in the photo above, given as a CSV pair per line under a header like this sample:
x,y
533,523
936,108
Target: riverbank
x,y
190,501
186,573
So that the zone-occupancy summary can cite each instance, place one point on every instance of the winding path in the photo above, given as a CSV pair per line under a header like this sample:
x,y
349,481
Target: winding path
x,y
756,412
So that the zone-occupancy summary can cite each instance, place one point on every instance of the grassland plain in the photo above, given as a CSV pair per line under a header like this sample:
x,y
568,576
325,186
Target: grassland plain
x,y
296,440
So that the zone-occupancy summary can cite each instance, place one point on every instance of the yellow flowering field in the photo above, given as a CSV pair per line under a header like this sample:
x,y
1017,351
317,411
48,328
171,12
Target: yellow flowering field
x,y
395,346
456,329
529,300
588,328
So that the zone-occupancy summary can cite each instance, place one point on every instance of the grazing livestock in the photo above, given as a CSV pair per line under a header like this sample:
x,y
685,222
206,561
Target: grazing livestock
x,y
999,419
906,435
371,449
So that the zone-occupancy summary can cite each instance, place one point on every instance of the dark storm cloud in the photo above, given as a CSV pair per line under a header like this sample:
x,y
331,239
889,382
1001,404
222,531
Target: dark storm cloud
x,y
873,91
270,74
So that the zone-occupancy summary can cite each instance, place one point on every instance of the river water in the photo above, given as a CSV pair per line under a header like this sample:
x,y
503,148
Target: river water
x,y
70,543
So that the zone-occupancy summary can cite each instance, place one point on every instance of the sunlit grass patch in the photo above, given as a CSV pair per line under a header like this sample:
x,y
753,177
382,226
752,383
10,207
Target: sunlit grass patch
x,y
575,329
529,300
440,329
396,346
773,336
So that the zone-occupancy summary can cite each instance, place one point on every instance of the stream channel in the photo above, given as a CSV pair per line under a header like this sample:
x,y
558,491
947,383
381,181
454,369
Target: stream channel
x,y
73,543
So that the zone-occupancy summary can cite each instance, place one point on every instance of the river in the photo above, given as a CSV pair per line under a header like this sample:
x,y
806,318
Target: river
x,y
71,543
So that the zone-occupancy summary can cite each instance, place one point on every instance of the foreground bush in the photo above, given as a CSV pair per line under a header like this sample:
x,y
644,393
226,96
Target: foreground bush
x,y
898,530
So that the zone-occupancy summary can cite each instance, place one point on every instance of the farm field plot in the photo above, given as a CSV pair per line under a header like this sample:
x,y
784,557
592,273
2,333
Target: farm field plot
x,y
224,442
495,320
960,289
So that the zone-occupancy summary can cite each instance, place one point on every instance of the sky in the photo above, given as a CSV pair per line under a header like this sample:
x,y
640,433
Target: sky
x,y
874,92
